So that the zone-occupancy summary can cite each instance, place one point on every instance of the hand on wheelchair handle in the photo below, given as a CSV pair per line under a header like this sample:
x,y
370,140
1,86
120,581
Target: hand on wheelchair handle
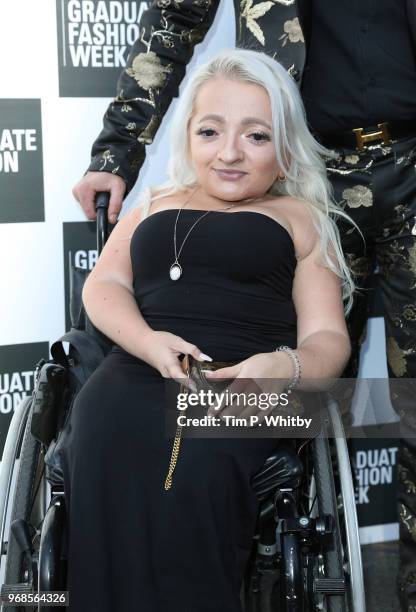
x,y
92,183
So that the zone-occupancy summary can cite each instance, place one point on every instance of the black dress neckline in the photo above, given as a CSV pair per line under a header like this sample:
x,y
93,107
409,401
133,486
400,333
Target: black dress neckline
x,y
223,212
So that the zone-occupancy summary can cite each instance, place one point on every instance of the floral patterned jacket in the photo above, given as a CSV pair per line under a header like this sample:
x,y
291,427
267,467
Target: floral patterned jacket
x,y
169,31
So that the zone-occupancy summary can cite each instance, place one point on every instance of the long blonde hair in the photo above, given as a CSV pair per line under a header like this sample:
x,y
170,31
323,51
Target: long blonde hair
x,y
298,154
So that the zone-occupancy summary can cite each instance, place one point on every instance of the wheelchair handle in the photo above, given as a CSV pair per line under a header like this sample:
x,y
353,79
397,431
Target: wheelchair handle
x,y
102,201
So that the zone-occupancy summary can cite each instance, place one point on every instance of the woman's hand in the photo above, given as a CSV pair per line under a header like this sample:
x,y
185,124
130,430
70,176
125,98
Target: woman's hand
x,y
162,349
261,373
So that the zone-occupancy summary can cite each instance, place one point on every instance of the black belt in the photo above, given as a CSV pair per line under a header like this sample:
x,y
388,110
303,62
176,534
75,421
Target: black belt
x,y
359,138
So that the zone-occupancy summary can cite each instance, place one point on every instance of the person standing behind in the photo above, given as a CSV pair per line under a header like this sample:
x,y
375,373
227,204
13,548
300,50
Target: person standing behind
x,y
354,61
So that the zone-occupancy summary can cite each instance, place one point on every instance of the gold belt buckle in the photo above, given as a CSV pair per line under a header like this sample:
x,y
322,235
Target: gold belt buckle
x,y
382,133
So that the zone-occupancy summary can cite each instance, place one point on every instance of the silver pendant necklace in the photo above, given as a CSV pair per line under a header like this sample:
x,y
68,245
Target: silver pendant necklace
x,y
175,271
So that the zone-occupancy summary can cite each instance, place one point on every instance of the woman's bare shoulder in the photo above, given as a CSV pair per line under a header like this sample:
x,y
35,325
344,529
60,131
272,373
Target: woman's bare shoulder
x,y
297,217
165,198
158,201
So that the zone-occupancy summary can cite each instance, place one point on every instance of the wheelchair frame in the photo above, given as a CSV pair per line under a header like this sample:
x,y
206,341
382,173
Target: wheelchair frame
x,y
300,560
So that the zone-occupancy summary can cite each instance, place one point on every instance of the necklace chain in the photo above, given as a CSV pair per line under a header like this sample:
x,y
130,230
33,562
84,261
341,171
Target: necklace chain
x,y
176,269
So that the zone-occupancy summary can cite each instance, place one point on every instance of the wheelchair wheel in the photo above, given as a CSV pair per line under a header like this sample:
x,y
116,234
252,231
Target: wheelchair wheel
x,y
27,509
311,569
334,492
10,452
332,556
347,513
317,530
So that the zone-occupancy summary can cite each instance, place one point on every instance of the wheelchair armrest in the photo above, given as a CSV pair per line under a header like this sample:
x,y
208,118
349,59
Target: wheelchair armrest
x,y
282,468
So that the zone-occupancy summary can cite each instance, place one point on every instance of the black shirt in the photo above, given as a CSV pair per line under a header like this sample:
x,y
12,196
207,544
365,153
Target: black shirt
x,y
361,64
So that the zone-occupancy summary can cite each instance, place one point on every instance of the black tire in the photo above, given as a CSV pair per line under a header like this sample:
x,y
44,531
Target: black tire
x,y
327,504
26,483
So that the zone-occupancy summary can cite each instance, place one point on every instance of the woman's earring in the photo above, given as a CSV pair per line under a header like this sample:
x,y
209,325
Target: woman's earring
x,y
281,179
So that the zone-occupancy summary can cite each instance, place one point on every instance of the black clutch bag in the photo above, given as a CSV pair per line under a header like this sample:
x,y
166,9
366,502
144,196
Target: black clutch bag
x,y
195,371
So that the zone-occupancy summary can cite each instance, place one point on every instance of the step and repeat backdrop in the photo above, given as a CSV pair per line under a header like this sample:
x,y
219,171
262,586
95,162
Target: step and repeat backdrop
x,y
60,64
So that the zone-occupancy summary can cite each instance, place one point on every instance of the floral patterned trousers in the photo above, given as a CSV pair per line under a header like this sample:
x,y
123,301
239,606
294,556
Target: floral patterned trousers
x,y
377,188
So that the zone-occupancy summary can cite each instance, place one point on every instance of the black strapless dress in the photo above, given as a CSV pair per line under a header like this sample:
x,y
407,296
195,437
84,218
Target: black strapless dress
x,y
134,547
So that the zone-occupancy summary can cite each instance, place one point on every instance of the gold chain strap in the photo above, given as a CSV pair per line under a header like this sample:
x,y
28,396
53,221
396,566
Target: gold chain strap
x,y
178,437
177,440
174,457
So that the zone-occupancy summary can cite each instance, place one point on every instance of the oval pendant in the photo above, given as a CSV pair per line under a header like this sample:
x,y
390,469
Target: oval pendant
x,y
175,271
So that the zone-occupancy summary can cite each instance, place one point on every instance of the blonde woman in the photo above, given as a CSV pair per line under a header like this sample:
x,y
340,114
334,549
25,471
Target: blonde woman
x,y
237,256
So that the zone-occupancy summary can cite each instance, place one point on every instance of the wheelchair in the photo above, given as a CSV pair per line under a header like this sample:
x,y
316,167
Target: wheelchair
x,y
305,554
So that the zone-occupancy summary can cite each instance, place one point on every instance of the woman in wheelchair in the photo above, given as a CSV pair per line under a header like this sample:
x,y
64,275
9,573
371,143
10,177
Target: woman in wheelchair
x,y
234,266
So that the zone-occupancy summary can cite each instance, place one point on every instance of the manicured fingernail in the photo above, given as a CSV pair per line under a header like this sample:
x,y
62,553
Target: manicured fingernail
x,y
203,357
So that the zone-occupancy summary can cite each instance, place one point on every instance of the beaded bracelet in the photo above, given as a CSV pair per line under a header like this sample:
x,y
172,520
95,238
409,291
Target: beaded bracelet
x,y
296,362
